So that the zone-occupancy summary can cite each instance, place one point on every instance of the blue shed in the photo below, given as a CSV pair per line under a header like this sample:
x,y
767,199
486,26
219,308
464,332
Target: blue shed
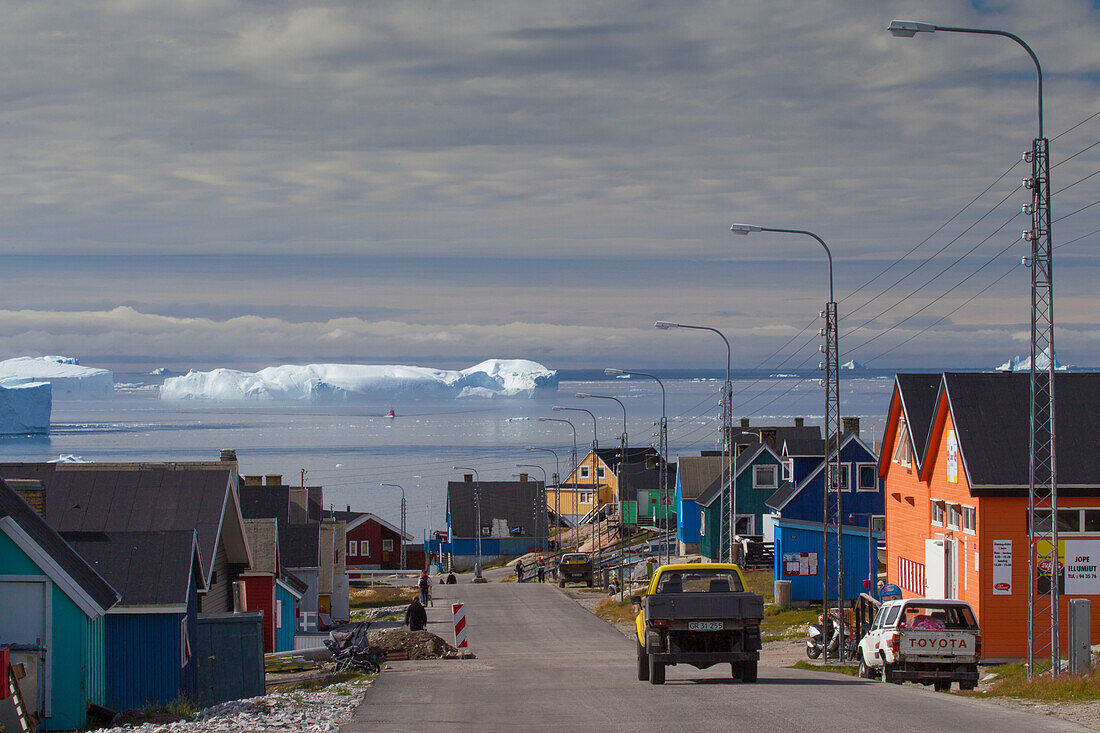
x,y
288,598
694,476
57,627
149,637
798,550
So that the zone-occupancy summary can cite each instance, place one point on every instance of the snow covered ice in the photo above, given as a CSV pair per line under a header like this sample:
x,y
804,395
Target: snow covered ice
x,y
1042,363
25,408
490,378
64,373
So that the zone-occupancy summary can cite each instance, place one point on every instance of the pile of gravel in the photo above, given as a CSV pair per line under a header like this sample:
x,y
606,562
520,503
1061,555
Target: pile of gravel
x,y
417,644
312,711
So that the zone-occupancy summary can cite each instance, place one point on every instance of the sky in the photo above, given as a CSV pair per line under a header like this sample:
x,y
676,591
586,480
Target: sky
x,y
252,183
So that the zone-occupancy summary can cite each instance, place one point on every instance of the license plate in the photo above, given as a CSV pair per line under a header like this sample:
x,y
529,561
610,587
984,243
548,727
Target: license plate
x,y
705,625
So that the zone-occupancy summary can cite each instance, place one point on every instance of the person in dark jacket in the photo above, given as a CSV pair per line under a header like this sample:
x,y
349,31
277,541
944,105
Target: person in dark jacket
x,y
416,618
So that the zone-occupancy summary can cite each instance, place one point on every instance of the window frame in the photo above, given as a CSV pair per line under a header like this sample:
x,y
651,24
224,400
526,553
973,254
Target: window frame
x,y
859,476
903,453
937,503
364,548
973,523
585,472
387,542
844,477
757,484
952,518
353,548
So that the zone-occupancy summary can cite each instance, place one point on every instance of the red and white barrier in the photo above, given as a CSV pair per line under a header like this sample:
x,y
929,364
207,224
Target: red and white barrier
x,y
459,615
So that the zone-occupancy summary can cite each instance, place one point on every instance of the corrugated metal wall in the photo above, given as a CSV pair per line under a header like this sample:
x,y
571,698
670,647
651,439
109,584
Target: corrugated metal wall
x,y
97,670
231,657
143,659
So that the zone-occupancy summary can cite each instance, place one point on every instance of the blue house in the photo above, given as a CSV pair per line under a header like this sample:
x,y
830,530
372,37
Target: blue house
x,y
863,498
150,635
289,590
694,476
53,615
798,558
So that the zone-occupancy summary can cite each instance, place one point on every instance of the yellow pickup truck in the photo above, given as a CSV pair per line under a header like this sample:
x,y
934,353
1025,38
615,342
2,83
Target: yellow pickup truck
x,y
698,614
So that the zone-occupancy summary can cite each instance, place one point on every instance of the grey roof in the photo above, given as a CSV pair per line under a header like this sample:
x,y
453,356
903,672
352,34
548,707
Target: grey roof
x,y
263,539
990,414
512,501
293,581
89,497
698,473
813,447
781,495
92,583
918,393
271,502
124,560
300,545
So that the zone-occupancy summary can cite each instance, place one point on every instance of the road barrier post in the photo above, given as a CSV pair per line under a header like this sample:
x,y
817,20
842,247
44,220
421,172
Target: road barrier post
x,y
459,615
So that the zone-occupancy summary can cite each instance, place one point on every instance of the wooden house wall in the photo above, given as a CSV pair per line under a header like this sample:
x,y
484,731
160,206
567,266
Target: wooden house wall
x,y
809,503
284,634
218,598
750,500
260,596
374,533
143,659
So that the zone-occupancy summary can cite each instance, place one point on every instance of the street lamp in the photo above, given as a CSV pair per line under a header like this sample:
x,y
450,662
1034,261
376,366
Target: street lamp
x,y
1042,477
576,504
535,508
557,489
622,479
397,486
831,524
595,486
662,448
727,430
477,506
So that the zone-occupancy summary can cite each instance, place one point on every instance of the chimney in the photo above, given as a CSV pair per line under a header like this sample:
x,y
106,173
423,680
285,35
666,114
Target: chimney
x,y
33,492
349,508
253,480
523,478
228,455
744,422
799,422
850,425
274,479
468,478
768,435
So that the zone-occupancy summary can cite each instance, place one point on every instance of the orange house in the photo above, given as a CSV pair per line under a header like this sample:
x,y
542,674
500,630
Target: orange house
x,y
955,463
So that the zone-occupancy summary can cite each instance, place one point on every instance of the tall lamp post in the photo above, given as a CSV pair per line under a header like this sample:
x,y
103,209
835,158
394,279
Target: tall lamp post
x,y
595,485
622,478
1043,628
557,489
662,447
398,486
535,508
477,507
831,526
572,470
727,430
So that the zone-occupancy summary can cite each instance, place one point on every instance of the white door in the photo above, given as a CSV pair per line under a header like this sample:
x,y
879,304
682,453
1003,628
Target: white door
x,y
950,570
935,567
26,630
768,528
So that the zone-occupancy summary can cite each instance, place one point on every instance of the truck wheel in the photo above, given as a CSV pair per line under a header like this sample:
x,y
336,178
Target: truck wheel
x,y
656,671
941,686
888,674
561,583
748,671
589,581
864,670
643,664
968,685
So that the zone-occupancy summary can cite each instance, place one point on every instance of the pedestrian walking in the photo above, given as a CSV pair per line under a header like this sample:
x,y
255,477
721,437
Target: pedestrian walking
x,y
425,586
542,570
416,618
519,571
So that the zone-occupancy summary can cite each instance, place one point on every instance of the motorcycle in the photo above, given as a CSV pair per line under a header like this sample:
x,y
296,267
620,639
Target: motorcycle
x,y
826,628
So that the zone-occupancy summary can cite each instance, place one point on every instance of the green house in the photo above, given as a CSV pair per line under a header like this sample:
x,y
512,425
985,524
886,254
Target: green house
x,y
53,616
758,471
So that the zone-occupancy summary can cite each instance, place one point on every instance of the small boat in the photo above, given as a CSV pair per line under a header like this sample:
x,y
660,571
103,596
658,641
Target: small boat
x,y
391,415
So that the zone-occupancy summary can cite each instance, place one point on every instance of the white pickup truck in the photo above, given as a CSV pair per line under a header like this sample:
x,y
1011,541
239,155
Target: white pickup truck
x,y
928,640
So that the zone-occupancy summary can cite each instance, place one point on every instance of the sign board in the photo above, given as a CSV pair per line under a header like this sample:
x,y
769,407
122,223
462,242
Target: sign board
x,y
1002,567
889,592
800,563
1081,560
952,458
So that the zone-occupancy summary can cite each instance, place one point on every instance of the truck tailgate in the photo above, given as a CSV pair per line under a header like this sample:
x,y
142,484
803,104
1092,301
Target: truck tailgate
x,y
684,606
931,644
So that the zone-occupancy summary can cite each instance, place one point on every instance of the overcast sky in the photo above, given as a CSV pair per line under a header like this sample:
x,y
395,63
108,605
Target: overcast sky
x,y
440,182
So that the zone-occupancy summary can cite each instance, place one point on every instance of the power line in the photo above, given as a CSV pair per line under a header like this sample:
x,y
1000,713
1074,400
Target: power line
x,y
1078,211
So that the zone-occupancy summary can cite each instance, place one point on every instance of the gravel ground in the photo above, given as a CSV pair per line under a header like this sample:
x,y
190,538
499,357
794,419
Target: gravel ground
x,y
310,711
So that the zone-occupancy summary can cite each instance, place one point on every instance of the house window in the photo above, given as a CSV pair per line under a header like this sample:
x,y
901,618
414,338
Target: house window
x,y
278,614
969,519
600,472
868,477
1069,520
387,545
185,643
953,516
845,470
1073,521
352,548
584,472
904,452
364,548
937,513
1092,520
702,522
764,477
878,523
485,531
788,469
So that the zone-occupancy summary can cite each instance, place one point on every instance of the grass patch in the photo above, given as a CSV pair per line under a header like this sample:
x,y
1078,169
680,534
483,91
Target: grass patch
x,y
348,675
786,623
761,582
615,611
847,669
381,595
1012,681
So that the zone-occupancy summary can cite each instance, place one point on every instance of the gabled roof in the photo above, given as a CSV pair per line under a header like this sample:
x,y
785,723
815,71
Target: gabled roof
x,y
613,456
129,497
300,545
265,502
123,559
803,447
745,459
65,567
296,585
698,473
990,412
914,397
354,519
514,502
783,496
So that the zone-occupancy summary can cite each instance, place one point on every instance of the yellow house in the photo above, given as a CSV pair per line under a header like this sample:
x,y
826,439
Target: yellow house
x,y
595,481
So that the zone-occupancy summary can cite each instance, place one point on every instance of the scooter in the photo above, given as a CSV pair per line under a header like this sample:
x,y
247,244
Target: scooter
x,y
817,633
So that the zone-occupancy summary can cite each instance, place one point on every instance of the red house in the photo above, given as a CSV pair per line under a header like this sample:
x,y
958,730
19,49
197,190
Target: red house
x,y
373,543
259,580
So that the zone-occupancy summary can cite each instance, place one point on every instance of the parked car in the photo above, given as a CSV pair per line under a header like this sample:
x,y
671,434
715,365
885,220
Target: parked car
x,y
698,614
927,640
575,567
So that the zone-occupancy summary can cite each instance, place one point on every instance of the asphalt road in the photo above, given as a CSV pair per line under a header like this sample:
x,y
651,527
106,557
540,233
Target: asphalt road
x,y
546,663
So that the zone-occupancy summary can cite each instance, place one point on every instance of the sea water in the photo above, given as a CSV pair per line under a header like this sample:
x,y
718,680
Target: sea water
x,y
350,448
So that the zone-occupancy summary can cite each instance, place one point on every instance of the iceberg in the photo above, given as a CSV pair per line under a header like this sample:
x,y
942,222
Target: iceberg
x,y
490,378
852,365
1023,364
64,373
25,408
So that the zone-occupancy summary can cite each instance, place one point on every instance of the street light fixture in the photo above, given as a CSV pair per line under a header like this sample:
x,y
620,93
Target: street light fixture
x,y
557,489
572,470
595,486
1042,606
477,506
537,503
398,486
727,434
621,481
831,526
662,448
